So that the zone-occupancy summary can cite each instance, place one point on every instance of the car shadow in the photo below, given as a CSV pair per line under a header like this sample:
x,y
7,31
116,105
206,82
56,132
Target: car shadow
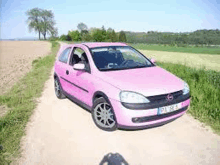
x,y
147,127
123,128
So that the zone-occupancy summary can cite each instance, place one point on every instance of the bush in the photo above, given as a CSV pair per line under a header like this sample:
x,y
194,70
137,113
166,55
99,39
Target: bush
x,y
74,35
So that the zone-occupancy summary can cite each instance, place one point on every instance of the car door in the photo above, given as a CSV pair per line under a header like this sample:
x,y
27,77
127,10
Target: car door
x,y
61,67
81,81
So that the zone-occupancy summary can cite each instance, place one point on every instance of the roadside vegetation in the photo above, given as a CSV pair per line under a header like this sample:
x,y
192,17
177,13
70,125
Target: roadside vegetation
x,y
182,48
83,33
200,41
93,34
198,37
21,101
205,92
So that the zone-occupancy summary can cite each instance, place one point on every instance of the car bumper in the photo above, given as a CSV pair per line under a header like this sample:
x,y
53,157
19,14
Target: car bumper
x,y
146,118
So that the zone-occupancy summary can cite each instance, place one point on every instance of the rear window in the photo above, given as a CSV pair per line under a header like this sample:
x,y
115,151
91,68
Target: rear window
x,y
64,55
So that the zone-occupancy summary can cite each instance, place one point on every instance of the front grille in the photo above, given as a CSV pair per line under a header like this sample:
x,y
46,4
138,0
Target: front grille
x,y
157,117
158,101
159,98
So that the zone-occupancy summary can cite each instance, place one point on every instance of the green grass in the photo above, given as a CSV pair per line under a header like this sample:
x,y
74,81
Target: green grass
x,y
21,102
188,49
205,92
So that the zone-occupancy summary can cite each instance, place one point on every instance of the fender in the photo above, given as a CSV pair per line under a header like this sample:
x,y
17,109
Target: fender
x,y
106,98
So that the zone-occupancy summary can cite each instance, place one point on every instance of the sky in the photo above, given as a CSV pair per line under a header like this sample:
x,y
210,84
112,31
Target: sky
x,y
127,15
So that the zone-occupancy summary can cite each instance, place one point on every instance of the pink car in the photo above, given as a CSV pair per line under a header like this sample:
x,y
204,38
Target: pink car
x,y
119,85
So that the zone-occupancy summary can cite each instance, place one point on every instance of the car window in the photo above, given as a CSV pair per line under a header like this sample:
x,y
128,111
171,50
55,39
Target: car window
x,y
118,57
79,56
64,55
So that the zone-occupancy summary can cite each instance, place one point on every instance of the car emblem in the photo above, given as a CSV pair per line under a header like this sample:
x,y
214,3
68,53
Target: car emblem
x,y
169,97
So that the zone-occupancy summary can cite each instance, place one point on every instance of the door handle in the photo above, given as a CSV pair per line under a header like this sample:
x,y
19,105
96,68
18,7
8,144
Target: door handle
x,y
67,72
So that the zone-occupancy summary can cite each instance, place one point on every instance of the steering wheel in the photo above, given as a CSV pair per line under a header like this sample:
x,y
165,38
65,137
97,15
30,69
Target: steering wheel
x,y
126,62
111,65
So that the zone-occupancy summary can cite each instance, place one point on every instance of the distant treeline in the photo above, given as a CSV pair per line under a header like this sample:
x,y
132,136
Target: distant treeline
x,y
199,37
208,37
93,34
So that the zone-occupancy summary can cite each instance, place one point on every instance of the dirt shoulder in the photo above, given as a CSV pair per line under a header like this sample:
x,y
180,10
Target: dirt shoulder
x,y
16,60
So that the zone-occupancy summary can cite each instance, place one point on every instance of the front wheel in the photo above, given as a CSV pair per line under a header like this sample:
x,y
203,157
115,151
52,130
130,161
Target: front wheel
x,y
103,115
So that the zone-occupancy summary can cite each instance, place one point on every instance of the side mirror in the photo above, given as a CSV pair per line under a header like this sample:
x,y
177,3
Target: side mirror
x,y
153,60
79,67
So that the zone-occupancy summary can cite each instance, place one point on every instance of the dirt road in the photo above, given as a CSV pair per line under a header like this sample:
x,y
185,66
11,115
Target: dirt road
x,y
60,132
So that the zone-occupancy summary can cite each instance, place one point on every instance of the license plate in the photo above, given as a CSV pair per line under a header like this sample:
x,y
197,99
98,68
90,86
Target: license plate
x,y
168,109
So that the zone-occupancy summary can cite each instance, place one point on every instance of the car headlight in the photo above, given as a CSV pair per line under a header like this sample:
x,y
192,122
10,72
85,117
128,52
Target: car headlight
x,y
186,88
132,97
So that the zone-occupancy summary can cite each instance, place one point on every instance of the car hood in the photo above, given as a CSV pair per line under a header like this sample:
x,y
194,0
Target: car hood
x,y
147,81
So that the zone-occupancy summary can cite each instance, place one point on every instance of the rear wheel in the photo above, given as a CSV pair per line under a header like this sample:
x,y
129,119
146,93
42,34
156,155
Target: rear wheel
x,y
103,115
58,89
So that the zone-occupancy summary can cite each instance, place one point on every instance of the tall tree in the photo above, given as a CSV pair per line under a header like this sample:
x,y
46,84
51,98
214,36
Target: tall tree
x,y
122,36
47,23
114,37
81,27
34,20
103,33
42,21
54,32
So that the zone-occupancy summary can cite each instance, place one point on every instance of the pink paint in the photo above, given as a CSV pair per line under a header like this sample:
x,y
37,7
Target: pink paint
x,y
186,103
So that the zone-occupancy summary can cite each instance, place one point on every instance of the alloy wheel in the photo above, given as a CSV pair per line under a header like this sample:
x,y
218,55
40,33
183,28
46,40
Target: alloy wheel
x,y
57,87
104,116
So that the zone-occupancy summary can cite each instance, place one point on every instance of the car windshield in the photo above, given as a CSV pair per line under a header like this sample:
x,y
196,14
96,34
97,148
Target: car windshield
x,y
118,57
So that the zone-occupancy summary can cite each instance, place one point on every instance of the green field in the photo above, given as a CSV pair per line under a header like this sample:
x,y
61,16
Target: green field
x,y
205,92
188,49
21,102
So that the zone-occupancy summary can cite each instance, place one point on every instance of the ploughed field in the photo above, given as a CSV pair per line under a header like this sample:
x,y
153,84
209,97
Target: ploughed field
x,y
16,60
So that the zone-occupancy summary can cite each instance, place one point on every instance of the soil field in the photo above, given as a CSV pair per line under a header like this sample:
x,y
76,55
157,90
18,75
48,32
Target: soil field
x,y
189,59
16,60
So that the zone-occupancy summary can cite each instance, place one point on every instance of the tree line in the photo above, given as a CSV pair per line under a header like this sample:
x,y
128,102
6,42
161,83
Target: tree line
x,y
83,33
42,21
198,37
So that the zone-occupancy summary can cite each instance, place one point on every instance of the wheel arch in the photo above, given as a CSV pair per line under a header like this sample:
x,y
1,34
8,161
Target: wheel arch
x,y
55,75
99,94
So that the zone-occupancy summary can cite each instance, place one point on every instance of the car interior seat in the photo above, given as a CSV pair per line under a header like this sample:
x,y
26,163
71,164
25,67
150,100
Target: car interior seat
x,y
85,60
75,59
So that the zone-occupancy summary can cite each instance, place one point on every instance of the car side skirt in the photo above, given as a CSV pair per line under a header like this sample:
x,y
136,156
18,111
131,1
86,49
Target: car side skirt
x,y
78,102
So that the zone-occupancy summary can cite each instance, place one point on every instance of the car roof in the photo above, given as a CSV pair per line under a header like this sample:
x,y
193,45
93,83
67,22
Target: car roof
x,y
102,44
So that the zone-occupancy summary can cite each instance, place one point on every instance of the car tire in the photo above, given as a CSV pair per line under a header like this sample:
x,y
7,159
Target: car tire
x,y
103,115
58,89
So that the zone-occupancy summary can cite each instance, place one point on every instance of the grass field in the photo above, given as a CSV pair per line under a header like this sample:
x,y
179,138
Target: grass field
x,y
205,92
21,100
188,59
188,49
